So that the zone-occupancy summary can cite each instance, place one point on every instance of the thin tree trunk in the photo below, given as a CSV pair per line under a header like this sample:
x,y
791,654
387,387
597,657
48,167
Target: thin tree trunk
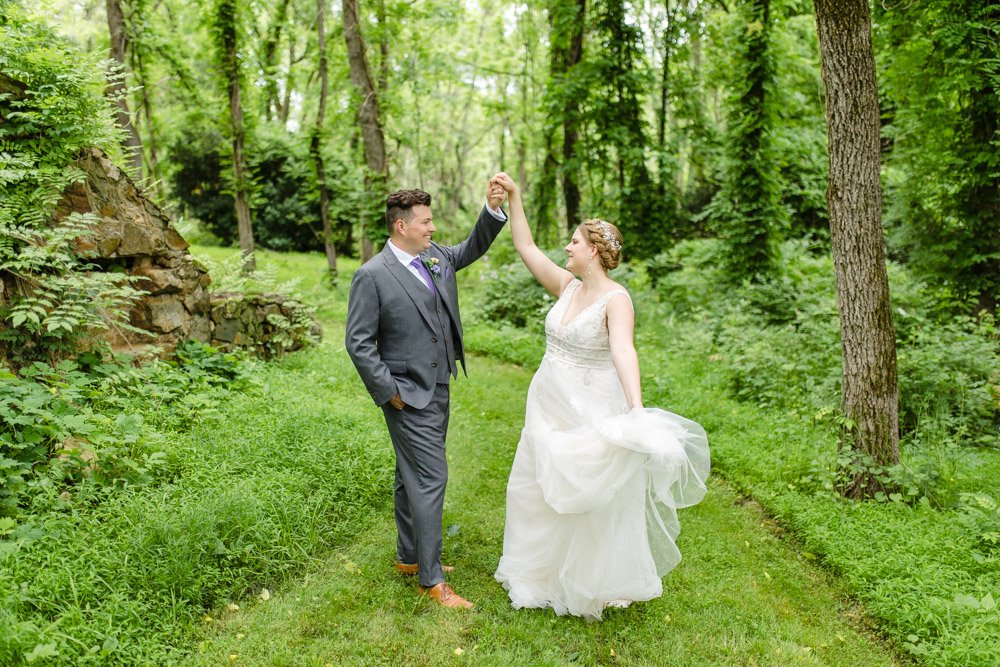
x,y
870,400
116,90
286,101
152,162
661,136
314,145
369,119
383,47
571,122
271,100
227,22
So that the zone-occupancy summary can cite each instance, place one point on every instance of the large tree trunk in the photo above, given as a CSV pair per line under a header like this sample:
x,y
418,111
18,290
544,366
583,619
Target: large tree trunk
x,y
227,18
870,400
369,119
116,90
314,145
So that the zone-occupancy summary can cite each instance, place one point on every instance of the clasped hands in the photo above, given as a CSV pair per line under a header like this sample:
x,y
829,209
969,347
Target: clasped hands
x,y
498,188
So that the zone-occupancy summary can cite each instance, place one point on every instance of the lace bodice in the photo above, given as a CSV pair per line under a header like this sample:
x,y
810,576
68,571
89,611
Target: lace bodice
x,y
582,341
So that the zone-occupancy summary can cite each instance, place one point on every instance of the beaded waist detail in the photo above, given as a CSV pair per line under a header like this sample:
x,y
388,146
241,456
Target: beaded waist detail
x,y
597,358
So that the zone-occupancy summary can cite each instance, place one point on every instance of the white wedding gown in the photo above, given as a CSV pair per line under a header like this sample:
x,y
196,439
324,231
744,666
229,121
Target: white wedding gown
x,y
593,492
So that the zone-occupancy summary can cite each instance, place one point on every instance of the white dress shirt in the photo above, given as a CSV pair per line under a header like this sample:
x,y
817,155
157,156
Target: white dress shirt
x,y
406,258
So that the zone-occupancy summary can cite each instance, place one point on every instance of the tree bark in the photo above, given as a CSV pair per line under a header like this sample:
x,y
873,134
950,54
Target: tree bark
x,y
227,17
870,400
314,145
286,101
571,121
272,103
152,161
116,90
369,117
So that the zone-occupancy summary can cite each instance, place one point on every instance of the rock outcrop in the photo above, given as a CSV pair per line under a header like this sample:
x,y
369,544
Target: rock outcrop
x,y
135,236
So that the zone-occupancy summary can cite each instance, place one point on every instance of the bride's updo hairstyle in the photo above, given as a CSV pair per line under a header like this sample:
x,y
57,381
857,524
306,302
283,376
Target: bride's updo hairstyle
x,y
606,238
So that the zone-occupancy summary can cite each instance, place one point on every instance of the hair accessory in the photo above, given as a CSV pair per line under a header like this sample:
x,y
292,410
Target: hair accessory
x,y
607,234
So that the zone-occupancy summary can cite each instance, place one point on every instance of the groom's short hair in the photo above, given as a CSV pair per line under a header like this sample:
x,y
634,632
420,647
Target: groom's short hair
x,y
399,203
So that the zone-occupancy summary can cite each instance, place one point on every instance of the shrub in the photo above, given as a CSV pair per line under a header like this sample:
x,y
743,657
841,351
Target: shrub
x,y
511,294
285,199
779,341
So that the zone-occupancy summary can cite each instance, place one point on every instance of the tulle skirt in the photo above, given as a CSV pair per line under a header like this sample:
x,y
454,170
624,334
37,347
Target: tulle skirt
x,y
593,494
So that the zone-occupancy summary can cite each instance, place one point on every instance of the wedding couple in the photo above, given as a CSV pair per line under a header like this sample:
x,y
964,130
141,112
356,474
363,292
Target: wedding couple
x,y
597,477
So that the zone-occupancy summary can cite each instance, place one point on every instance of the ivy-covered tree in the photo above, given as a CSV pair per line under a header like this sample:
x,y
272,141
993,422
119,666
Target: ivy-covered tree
x,y
617,134
746,210
227,30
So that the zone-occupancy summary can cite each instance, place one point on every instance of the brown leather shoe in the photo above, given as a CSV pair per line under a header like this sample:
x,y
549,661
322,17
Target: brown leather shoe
x,y
411,568
446,596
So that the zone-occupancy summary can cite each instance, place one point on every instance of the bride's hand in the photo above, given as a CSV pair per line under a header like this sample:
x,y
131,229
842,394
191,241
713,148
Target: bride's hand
x,y
506,182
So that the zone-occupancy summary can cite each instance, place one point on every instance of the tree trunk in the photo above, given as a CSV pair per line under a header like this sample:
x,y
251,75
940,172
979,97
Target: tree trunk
x,y
116,90
870,401
663,164
227,18
272,103
571,121
383,47
314,146
369,119
981,203
286,101
152,166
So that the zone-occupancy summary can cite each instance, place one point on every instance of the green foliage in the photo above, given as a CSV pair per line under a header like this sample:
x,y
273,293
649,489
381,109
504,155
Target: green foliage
x,y
612,91
237,484
941,81
285,203
980,515
746,211
511,294
89,420
52,110
779,341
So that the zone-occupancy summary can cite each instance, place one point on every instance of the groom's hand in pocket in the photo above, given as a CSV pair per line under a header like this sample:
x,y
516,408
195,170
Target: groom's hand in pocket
x,y
397,402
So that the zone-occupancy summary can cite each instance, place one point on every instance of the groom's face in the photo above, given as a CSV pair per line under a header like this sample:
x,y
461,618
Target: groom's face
x,y
414,236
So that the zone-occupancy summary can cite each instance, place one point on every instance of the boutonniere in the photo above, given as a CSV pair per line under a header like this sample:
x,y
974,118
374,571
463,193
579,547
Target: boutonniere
x,y
432,265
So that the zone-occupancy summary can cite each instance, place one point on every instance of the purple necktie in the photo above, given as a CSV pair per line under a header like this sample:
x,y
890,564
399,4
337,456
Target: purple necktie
x,y
424,273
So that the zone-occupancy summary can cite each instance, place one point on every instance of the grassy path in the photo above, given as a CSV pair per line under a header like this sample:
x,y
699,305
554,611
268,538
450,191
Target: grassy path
x,y
742,596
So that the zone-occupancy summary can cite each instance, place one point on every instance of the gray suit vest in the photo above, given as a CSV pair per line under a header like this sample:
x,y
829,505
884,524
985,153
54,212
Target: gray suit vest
x,y
444,341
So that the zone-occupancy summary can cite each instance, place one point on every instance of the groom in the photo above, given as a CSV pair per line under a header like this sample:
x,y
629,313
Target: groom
x,y
404,334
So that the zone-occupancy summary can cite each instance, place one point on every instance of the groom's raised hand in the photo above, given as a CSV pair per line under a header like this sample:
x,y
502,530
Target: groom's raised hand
x,y
495,194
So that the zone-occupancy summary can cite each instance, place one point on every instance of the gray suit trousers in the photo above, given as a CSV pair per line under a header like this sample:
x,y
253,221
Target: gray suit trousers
x,y
418,436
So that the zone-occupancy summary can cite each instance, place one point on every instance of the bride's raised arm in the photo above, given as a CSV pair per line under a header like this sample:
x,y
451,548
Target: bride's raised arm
x,y
552,277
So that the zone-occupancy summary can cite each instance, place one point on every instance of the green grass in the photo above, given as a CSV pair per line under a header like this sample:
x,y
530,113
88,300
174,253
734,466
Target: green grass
x,y
288,488
742,596
272,481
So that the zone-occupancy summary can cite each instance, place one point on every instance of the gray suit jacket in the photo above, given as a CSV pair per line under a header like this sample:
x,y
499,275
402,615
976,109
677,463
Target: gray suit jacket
x,y
389,329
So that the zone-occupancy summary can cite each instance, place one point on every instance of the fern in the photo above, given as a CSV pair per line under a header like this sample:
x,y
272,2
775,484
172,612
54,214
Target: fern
x,y
52,109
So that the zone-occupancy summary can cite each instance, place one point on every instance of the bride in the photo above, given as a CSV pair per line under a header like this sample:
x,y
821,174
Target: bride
x,y
597,477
